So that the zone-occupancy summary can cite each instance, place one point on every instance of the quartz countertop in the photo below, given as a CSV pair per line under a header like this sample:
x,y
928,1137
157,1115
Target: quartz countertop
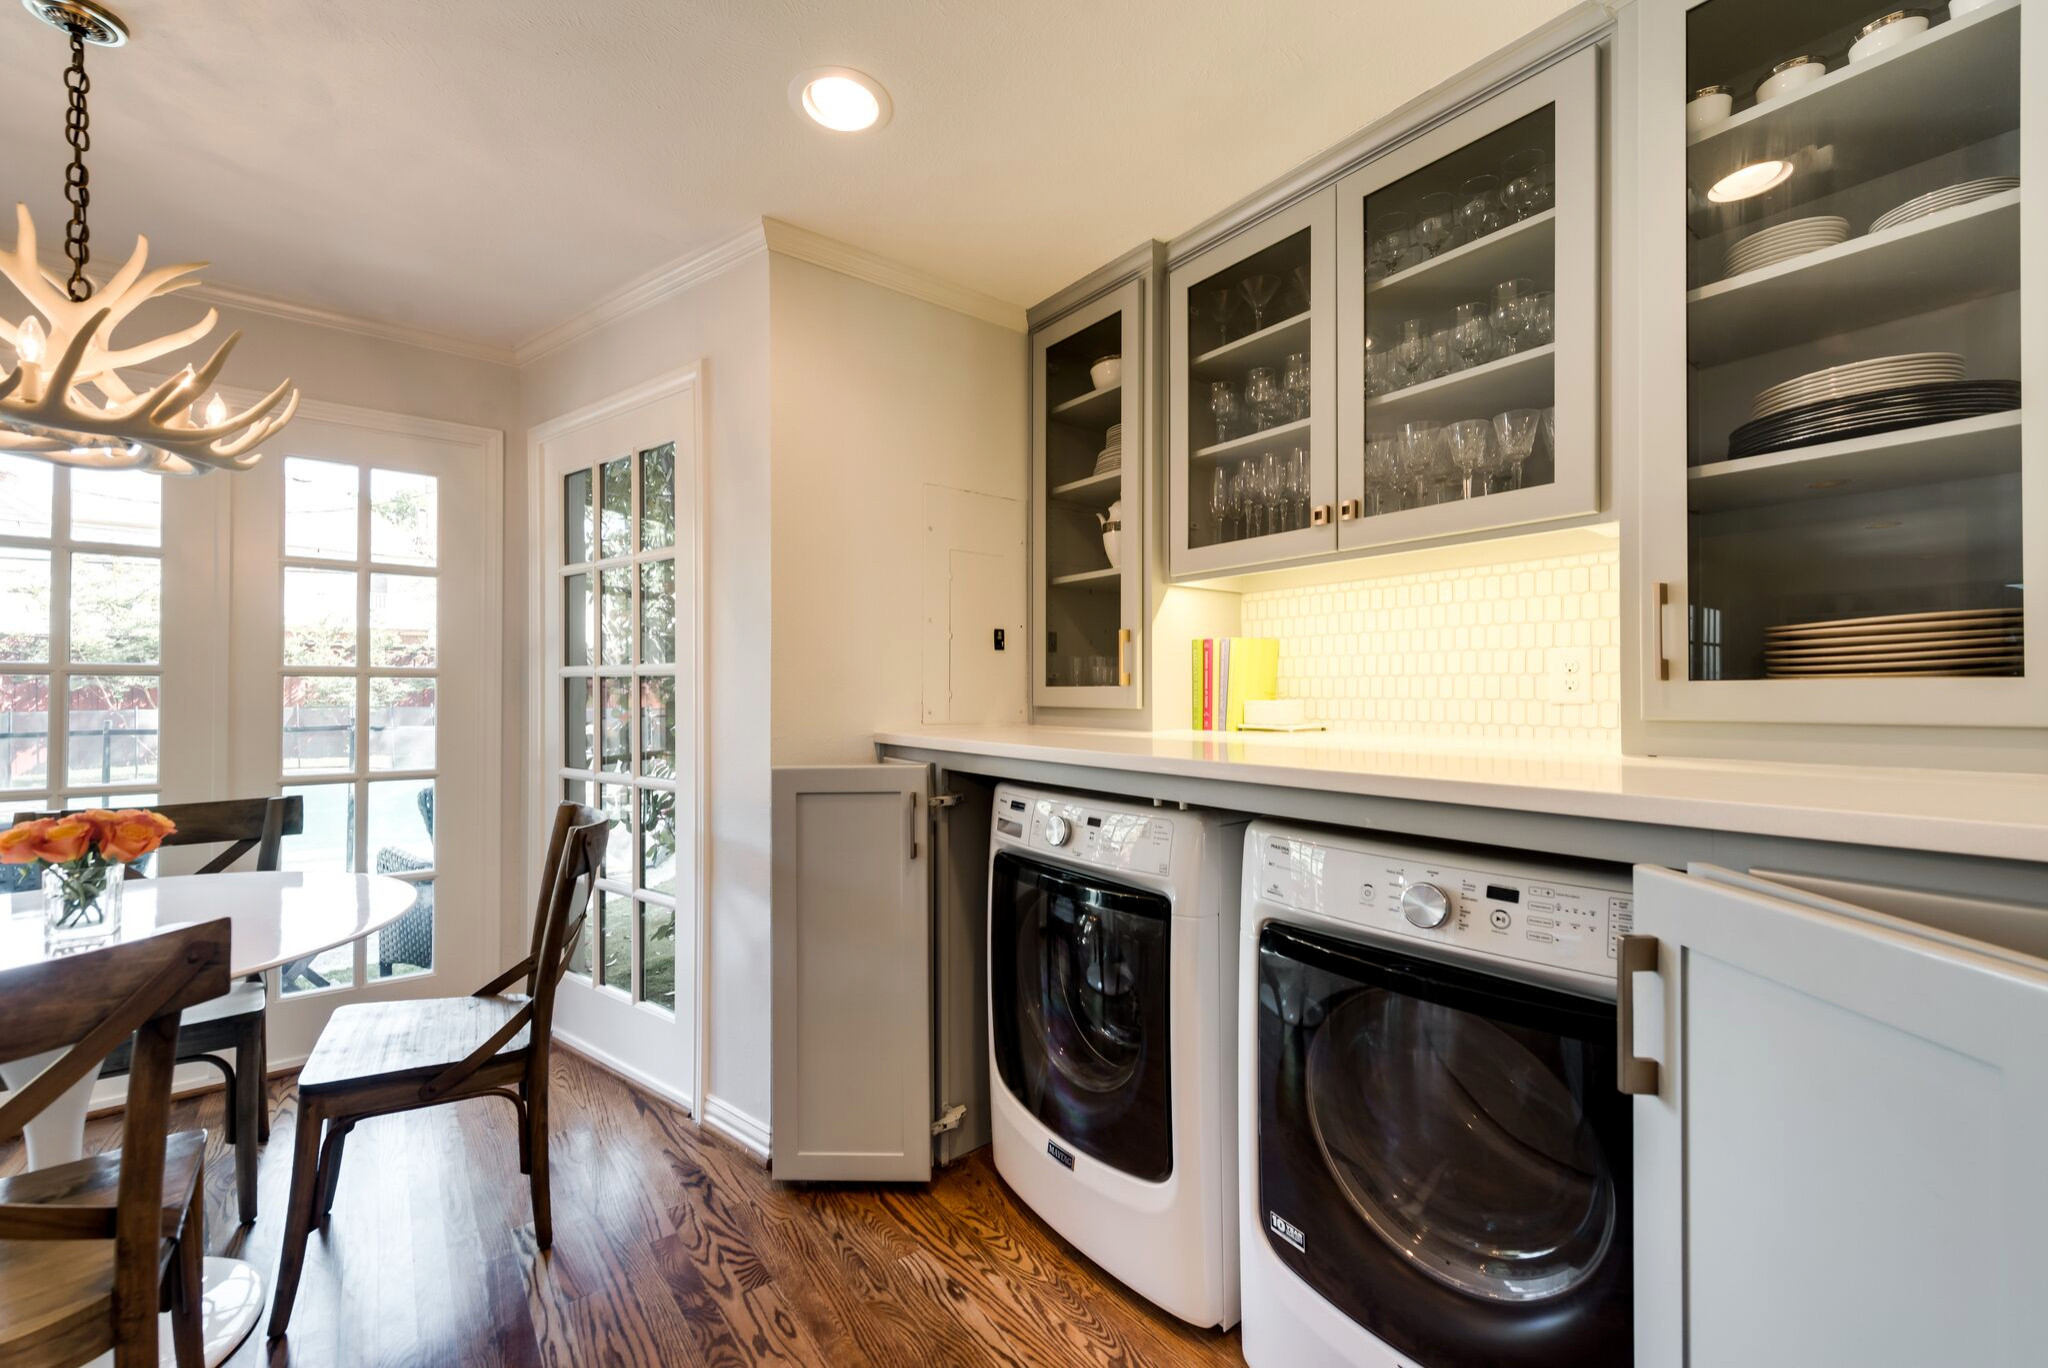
x,y
1997,816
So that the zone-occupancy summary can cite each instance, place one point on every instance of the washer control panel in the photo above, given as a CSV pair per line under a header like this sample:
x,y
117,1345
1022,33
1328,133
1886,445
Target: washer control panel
x,y
1506,909
1113,838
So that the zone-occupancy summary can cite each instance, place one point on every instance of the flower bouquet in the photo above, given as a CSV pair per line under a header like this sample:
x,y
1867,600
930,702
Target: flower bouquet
x,y
84,858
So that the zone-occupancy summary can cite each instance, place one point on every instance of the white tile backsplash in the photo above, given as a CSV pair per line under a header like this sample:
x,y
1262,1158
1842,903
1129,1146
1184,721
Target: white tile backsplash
x,y
1453,654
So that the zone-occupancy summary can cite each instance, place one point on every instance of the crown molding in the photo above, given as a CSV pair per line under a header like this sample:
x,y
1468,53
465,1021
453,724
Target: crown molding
x,y
804,245
250,302
649,289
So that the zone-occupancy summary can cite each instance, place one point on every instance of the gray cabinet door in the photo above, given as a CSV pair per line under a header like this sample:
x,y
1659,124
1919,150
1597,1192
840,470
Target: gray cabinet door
x,y
851,953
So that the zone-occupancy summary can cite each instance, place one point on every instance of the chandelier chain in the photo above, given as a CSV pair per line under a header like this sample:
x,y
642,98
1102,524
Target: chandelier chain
x,y
77,185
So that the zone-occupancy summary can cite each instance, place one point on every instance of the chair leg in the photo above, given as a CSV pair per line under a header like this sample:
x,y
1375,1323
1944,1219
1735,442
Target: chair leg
x,y
536,1147
525,1140
330,1166
188,1337
298,1219
259,1037
247,1128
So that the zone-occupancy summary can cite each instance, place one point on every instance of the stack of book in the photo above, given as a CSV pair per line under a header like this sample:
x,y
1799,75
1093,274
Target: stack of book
x,y
1227,672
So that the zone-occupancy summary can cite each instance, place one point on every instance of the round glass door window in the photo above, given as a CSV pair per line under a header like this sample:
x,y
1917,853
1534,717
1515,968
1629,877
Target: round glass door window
x,y
1460,1147
1087,1009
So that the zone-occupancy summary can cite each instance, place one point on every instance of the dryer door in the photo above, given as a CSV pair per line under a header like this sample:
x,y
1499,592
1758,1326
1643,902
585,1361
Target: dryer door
x,y
1078,984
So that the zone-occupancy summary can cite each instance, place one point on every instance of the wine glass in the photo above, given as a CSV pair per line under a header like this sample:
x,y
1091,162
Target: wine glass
x,y
1387,240
1550,433
1219,504
1380,458
1411,353
1515,430
1297,484
1300,274
1262,396
1466,442
1251,504
1526,182
1418,450
1473,332
1511,311
1224,406
1442,352
1379,370
1295,381
1542,326
1221,305
1436,222
1258,292
1274,493
1479,210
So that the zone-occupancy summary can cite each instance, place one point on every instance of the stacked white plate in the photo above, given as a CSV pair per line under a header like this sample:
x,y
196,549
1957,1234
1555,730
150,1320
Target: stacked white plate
x,y
1979,641
1936,201
1111,456
1783,242
1858,377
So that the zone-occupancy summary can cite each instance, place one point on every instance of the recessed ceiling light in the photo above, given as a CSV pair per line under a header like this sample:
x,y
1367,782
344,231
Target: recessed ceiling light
x,y
1749,181
840,98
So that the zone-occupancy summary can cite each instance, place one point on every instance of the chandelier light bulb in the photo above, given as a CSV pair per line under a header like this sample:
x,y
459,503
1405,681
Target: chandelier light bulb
x,y
29,341
216,410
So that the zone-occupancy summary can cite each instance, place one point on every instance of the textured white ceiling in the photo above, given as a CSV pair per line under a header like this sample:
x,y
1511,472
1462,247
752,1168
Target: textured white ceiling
x,y
486,168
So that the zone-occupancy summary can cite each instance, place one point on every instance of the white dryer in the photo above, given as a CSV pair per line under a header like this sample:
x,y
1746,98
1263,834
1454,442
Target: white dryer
x,y
1436,1163
1112,1035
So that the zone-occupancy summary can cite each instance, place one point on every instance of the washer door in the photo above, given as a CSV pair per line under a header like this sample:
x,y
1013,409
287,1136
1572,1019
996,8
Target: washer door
x,y
1443,1155
1078,995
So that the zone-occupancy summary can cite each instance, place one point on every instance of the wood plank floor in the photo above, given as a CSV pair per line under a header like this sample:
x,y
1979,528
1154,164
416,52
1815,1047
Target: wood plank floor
x,y
672,1248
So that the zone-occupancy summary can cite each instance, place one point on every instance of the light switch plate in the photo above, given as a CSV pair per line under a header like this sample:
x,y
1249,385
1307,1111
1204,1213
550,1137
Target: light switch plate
x,y
1571,673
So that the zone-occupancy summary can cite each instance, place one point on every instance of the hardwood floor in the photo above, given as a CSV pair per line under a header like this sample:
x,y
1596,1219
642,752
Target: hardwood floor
x,y
672,1248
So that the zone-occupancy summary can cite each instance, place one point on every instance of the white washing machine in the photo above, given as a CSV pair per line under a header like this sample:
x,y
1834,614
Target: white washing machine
x,y
1112,1039
1436,1164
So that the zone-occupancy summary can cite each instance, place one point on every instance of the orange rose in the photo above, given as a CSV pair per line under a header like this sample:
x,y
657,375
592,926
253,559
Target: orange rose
x,y
131,835
63,839
18,843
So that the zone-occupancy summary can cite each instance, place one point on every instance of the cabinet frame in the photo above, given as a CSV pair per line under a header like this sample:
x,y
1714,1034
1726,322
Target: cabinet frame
x,y
1570,87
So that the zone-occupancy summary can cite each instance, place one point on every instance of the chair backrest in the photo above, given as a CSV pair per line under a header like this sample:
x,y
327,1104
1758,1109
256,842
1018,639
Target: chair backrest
x,y
92,1002
568,887
241,824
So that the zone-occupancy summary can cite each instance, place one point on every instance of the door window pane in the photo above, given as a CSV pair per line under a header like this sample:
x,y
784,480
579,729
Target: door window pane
x,y
658,840
579,722
579,623
404,517
658,497
319,617
401,835
658,956
24,604
25,487
616,641
618,724
407,945
401,724
333,968
402,621
615,526
116,609
25,730
658,727
576,523
320,509
328,841
617,931
617,801
319,724
112,724
576,791
121,506
658,612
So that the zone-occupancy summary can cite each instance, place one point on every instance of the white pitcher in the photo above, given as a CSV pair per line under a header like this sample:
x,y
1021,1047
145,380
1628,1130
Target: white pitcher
x,y
1113,533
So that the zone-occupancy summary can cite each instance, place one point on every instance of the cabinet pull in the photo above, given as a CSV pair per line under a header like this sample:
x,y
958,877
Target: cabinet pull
x,y
910,827
1349,509
1319,516
1663,601
1123,657
1636,955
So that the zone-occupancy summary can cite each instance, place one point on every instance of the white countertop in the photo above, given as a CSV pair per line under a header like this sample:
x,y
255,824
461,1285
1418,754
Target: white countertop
x,y
2001,816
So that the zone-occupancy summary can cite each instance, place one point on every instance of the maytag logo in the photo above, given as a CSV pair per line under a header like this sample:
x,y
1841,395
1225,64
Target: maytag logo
x,y
1052,1148
1287,1231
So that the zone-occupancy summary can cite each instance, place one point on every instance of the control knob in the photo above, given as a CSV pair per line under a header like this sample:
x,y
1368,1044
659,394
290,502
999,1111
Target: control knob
x,y
1425,905
1057,829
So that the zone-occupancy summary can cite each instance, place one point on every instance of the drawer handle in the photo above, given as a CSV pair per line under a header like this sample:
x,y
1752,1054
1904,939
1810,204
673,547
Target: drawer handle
x,y
1636,955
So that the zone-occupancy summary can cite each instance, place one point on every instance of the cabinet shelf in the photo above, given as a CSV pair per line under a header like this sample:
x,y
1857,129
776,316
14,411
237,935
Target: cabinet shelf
x,y
1095,491
1108,578
1524,380
1256,441
1270,346
1957,84
1964,253
1095,409
1470,272
1964,449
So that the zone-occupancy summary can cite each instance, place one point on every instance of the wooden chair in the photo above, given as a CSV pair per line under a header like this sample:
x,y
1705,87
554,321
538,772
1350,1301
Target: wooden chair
x,y
90,1251
375,1058
234,1023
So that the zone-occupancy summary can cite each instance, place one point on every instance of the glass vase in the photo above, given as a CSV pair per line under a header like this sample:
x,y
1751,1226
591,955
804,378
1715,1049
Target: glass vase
x,y
81,906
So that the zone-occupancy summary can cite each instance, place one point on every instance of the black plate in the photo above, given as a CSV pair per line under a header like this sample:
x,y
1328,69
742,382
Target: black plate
x,y
1863,415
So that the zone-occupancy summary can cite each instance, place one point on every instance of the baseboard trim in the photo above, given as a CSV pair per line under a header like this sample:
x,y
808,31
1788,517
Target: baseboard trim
x,y
613,1065
110,1095
749,1132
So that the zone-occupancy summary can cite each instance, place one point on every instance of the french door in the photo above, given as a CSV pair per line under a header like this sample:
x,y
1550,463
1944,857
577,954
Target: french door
x,y
620,713
363,678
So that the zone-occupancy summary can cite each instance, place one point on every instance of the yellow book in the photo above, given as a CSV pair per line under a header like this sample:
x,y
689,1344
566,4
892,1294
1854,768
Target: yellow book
x,y
1254,673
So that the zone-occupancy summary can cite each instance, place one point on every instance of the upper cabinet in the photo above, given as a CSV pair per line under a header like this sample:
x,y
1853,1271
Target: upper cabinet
x,y
1841,501
1408,354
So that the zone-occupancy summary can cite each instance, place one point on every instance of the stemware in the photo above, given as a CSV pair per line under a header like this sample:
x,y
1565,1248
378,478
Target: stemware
x,y
1550,433
1381,454
1542,317
1250,500
1479,211
1526,182
1436,222
1379,371
1258,292
1297,484
1262,395
1515,430
1466,442
1473,333
1225,407
1219,504
1511,312
1418,451
1442,354
1411,353
1387,240
1272,490
1295,381
1221,306
1300,274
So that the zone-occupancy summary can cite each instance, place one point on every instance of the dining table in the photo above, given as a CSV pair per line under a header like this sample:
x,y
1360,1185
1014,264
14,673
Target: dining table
x,y
275,919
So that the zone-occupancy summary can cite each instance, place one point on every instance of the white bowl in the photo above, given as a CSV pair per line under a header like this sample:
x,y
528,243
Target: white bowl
x,y
1787,79
1106,372
1705,110
1958,8
1884,39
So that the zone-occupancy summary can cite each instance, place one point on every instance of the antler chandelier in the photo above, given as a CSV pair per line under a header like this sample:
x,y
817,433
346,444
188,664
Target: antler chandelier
x,y
65,401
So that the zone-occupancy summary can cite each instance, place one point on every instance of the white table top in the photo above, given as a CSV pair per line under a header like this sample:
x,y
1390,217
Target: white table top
x,y
277,918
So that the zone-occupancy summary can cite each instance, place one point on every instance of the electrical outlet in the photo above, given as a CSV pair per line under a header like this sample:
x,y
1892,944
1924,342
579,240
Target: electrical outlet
x,y
1571,673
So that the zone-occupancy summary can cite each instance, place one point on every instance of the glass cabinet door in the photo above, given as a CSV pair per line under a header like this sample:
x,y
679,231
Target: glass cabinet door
x,y
1249,415
1089,391
1843,444
1468,323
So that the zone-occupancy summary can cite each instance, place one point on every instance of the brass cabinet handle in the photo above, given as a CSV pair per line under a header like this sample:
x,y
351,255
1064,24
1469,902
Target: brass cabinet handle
x,y
1319,516
1663,601
1636,955
1123,657
1349,509
911,826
